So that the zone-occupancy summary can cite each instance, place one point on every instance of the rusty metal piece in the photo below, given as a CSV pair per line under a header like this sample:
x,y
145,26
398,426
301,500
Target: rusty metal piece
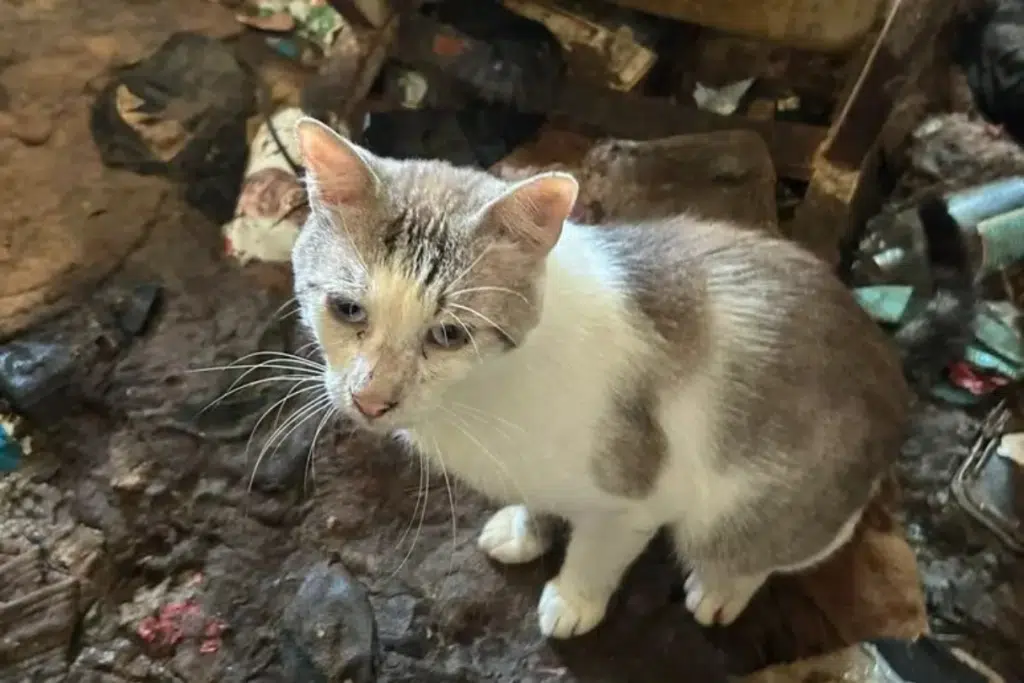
x,y
969,481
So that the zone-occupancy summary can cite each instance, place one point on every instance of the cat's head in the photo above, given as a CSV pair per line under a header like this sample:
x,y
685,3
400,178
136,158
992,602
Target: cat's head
x,y
412,274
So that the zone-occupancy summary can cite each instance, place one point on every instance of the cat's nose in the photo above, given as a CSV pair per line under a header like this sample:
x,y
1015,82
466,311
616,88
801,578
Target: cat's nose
x,y
370,406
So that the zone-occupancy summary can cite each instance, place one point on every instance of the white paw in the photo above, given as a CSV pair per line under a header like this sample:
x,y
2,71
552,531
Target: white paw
x,y
720,602
564,612
511,537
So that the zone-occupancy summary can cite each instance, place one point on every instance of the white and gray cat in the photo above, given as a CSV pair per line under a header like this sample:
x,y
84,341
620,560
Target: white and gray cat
x,y
680,374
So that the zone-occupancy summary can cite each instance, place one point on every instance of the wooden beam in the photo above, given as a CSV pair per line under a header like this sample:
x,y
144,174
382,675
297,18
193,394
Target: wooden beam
x,y
844,189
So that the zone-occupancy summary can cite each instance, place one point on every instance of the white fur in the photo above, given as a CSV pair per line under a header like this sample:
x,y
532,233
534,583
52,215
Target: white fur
x,y
532,443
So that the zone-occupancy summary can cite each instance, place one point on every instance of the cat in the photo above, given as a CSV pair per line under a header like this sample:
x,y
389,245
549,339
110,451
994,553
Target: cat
x,y
682,374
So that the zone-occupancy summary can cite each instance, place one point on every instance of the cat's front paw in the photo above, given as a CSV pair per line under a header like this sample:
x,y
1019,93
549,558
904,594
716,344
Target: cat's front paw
x,y
564,612
512,536
721,601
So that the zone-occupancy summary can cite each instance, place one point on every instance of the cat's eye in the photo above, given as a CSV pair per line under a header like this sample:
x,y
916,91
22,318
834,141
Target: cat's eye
x,y
448,336
346,310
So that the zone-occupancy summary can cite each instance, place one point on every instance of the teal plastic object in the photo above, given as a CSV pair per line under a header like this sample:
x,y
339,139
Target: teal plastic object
x,y
10,451
1002,238
885,303
972,206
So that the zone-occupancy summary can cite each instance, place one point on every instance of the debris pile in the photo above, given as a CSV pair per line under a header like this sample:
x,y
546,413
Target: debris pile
x,y
162,523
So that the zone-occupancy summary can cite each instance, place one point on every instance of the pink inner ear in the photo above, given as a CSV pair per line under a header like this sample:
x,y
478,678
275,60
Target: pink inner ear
x,y
339,175
536,209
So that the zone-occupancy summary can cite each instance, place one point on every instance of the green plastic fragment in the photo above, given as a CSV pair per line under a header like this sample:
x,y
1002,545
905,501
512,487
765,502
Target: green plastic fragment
x,y
10,451
1003,240
999,336
954,395
983,359
885,303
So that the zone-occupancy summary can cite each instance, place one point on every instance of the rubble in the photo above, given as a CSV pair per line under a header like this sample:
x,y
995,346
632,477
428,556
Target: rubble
x,y
158,527
328,631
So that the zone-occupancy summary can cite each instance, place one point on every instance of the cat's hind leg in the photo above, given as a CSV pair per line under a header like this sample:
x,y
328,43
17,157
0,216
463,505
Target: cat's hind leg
x,y
726,575
722,599
513,536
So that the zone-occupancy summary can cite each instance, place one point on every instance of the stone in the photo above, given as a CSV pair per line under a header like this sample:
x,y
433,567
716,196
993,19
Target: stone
x,y
328,631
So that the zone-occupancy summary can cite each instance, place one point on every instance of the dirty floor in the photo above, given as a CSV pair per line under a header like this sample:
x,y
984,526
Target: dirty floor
x,y
189,564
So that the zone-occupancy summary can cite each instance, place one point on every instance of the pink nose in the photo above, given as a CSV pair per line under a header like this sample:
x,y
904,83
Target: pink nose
x,y
371,407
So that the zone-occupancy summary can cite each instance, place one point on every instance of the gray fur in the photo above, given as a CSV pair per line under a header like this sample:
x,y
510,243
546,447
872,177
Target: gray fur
x,y
634,450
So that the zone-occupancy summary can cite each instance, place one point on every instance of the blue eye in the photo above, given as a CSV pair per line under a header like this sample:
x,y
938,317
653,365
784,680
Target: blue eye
x,y
346,311
448,336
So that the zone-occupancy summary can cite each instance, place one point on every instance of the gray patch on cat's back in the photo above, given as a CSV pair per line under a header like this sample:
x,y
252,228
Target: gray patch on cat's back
x,y
634,449
668,295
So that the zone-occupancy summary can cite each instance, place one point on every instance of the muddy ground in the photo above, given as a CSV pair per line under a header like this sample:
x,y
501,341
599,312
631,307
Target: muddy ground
x,y
141,548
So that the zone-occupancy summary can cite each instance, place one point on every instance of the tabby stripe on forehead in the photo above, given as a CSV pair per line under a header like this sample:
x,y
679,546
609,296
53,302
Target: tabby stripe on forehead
x,y
421,244
392,233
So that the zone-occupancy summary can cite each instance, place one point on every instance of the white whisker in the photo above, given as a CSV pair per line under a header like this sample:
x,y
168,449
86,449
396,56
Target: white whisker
x,y
328,414
281,434
301,379
503,290
470,267
451,507
483,317
472,340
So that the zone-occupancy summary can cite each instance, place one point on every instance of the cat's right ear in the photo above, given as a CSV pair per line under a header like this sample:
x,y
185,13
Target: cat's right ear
x,y
339,173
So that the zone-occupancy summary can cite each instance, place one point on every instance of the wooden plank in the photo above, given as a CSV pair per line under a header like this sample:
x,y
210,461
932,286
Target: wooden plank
x,y
844,189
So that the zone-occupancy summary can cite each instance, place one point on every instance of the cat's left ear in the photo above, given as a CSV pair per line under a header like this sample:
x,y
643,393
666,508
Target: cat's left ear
x,y
533,211
340,173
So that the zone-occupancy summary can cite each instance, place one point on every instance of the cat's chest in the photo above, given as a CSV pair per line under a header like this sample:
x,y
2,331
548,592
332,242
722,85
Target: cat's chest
x,y
528,443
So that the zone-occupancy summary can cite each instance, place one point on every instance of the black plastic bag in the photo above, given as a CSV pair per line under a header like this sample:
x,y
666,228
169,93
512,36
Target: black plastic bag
x,y
181,113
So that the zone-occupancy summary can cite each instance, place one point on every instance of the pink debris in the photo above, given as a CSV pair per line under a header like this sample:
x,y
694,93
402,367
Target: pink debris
x,y
179,620
975,381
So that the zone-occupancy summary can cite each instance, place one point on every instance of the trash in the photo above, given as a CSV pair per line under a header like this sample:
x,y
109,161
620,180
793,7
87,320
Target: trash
x,y
33,372
272,203
177,621
38,369
990,49
608,51
495,53
885,303
991,217
531,78
338,93
987,484
10,449
992,361
314,22
164,618
328,631
181,113
882,661
723,101
1012,446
